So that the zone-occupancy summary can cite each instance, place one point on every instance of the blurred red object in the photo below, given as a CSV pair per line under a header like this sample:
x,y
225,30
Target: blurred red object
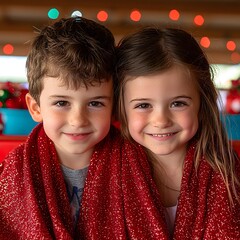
x,y
8,143
233,98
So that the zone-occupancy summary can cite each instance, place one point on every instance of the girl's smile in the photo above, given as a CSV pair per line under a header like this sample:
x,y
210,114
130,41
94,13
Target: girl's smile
x,y
162,110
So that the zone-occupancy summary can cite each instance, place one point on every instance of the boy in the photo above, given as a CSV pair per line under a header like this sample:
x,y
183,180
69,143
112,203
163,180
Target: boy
x,y
69,70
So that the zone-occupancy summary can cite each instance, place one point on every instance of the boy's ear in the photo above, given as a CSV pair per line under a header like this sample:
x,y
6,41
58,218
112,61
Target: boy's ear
x,y
33,108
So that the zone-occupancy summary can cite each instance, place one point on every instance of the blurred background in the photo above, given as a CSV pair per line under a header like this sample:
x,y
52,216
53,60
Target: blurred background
x,y
214,23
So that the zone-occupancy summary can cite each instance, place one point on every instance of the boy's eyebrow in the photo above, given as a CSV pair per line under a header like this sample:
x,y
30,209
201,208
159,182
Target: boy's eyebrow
x,y
139,99
95,97
101,97
56,96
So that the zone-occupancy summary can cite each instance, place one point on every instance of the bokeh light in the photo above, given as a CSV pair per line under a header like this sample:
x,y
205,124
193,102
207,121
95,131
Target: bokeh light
x,y
205,42
231,45
235,57
8,49
135,15
102,16
76,14
174,15
199,20
53,13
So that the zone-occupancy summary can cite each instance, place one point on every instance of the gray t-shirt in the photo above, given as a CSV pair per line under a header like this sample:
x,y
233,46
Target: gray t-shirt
x,y
75,180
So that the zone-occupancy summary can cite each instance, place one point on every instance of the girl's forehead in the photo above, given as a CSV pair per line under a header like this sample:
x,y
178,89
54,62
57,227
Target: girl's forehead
x,y
176,74
175,68
174,82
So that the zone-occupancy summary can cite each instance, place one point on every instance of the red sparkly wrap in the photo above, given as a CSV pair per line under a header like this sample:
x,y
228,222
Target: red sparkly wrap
x,y
120,200
204,210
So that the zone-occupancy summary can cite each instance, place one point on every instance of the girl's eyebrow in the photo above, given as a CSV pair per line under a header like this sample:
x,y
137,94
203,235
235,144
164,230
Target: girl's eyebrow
x,y
146,99
182,96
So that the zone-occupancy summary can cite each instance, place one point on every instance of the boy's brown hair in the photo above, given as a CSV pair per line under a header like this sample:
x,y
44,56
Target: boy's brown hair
x,y
78,50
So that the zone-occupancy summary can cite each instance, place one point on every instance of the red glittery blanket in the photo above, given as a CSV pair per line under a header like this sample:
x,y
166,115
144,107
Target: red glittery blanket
x,y
204,211
118,200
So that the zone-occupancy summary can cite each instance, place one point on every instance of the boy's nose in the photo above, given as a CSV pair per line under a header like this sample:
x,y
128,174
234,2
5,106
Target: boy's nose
x,y
78,118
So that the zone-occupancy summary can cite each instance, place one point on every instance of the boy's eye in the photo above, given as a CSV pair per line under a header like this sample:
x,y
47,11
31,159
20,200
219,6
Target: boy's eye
x,y
178,104
143,105
96,104
62,103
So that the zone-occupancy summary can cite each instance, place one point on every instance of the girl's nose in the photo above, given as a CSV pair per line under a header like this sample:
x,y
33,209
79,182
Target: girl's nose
x,y
161,118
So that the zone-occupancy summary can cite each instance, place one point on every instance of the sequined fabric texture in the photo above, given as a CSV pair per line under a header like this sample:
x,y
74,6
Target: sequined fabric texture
x,y
120,200
204,211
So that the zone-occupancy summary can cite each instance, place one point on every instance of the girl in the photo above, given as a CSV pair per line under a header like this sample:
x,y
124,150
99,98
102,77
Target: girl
x,y
168,104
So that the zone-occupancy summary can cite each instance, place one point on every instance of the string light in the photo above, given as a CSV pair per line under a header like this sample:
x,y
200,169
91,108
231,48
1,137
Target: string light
x,y
135,15
102,16
174,15
53,13
76,14
198,20
205,42
235,57
231,45
8,49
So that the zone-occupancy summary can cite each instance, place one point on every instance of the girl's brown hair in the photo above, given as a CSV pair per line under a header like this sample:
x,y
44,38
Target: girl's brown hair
x,y
153,50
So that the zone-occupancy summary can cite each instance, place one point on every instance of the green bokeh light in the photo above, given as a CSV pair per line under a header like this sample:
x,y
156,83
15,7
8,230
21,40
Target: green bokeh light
x,y
53,13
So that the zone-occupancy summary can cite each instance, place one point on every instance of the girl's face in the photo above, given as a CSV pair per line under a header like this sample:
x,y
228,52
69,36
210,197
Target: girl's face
x,y
162,110
75,120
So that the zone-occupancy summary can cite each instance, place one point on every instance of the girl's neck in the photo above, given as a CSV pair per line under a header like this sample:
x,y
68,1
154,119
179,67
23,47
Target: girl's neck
x,y
167,173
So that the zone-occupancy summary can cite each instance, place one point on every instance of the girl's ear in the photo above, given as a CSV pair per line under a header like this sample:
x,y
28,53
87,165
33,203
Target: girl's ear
x,y
33,108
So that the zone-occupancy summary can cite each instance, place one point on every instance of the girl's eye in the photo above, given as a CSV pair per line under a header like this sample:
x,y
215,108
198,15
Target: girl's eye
x,y
143,105
96,104
61,103
178,104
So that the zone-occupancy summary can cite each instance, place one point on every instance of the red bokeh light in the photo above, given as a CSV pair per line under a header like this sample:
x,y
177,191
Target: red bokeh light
x,y
231,45
102,16
205,42
135,15
8,49
174,15
199,20
235,57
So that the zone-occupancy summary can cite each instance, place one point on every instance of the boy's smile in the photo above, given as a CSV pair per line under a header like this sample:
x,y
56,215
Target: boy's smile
x,y
75,120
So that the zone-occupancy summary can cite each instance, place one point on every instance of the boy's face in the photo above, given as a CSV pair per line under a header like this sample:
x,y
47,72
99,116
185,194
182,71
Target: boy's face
x,y
75,120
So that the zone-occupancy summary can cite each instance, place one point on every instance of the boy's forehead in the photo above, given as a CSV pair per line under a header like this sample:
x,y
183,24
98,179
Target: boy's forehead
x,y
70,83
